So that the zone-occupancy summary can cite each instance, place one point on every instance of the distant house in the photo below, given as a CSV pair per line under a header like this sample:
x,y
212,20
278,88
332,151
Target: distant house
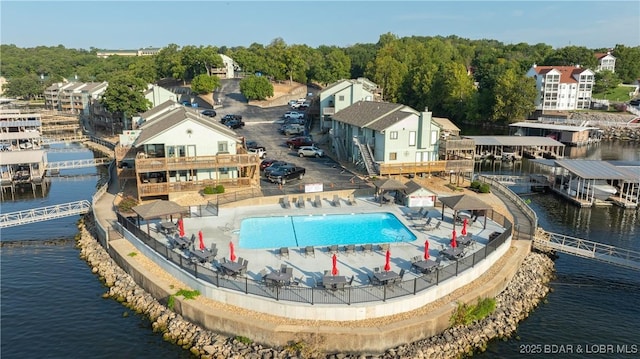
x,y
606,61
73,97
228,69
373,133
176,150
343,94
562,87
158,95
149,51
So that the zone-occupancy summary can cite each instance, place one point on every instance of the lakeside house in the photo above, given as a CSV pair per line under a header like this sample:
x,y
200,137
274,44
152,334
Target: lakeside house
x,y
176,150
344,93
562,87
606,61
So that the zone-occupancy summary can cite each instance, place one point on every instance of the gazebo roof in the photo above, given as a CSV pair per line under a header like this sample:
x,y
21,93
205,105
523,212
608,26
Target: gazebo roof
x,y
157,209
389,184
463,202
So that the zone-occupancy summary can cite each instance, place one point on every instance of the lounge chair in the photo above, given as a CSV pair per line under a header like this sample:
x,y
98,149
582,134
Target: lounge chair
x,y
317,202
351,200
349,249
336,201
367,248
333,249
284,202
437,226
283,252
384,247
300,203
416,215
309,251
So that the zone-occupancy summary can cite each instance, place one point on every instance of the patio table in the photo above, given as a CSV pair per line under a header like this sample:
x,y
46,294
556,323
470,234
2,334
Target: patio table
x,y
181,242
232,268
278,277
202,256
387,277
464,240
425,266
453,253
168,227
334,282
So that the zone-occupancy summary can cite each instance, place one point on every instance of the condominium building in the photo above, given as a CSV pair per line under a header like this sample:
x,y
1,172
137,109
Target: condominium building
x,y
562,87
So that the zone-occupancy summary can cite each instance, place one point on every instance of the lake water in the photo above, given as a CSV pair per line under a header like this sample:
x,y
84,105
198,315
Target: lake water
x,y
51,305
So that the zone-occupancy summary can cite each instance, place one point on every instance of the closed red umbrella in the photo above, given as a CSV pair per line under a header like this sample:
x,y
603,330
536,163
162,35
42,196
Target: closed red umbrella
x,y
232,254
426,250
334,270
202,247
464,227
453,240
181,227
387,265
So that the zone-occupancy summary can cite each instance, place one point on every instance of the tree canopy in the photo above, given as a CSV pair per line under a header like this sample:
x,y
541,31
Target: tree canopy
x,y
463,79
124,96
256,87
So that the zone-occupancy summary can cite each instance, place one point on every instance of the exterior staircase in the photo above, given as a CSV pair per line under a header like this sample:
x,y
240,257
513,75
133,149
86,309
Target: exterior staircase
x,y
367,157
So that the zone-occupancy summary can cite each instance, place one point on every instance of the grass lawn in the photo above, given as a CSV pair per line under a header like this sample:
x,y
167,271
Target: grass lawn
x,y
619,94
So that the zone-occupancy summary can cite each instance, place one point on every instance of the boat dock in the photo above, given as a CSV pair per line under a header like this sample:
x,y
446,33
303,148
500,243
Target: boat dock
x,y
588,183
566,134
514,148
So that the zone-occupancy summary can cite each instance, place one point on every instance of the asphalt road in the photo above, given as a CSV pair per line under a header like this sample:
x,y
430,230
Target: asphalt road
x,y
261,127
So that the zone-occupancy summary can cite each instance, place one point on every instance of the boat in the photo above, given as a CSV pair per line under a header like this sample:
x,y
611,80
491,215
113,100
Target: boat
x,y
600,190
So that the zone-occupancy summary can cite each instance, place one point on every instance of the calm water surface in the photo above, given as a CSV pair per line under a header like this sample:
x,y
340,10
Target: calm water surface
x,y
51,303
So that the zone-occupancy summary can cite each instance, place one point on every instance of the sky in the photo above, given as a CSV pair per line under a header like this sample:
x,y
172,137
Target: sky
x,y
138,24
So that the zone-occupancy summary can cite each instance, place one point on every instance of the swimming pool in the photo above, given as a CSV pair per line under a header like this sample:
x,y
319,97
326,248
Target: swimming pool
x,y
322,230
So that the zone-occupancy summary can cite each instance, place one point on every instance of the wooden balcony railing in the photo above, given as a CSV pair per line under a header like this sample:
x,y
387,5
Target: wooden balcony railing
x,y
161,164
164,188
425,167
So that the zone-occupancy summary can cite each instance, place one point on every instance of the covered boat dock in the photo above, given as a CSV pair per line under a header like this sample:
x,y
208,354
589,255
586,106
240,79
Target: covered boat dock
x,y
566,134
594,183
510,148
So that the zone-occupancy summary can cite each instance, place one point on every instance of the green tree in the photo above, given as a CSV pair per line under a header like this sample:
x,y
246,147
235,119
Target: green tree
x,y
256,87
169,63
26,87
388,72
457,89
361,55
124,97
203,84
605,81
514,97
572,56
627,63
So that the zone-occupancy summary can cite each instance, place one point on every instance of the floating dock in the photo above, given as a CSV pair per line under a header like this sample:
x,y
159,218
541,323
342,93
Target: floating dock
x,y
566,134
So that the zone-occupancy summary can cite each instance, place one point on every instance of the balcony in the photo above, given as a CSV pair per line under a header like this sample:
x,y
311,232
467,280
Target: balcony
x,y
160,164
164,188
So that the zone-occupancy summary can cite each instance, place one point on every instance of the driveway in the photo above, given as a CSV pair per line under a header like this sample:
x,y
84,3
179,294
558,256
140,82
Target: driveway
x,y
261,127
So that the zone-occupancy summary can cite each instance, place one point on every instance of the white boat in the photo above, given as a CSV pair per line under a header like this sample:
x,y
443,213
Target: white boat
x,y
600,190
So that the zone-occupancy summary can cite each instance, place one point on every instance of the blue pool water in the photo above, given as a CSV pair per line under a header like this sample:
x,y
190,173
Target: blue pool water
x,y
322,230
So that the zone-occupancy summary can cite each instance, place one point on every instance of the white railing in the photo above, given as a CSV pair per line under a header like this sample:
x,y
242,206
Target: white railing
x,y
44,213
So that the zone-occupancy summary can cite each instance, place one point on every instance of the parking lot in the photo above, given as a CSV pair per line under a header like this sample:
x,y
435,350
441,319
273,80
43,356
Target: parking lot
x,y
261,125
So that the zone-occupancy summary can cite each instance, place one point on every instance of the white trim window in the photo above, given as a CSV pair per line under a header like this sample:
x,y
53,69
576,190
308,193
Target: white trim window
x,y
393,135
412,138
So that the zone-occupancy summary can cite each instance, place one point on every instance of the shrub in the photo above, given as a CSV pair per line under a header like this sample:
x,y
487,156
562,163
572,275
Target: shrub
x,y
476,185
466,314
484,188
127,203
213,190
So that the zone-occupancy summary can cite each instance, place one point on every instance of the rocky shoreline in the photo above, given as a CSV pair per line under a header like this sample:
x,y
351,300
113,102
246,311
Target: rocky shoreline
x,y
521,296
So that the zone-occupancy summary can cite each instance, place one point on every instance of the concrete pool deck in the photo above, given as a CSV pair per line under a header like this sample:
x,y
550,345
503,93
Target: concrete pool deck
x,y
224,228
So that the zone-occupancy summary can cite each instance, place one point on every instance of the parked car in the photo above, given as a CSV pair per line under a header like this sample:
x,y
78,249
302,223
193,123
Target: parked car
x,y
253,144
209,113
276,166
293,129
310,151
286,173
226,118
293,114
258,151
266,163
234,124
297,142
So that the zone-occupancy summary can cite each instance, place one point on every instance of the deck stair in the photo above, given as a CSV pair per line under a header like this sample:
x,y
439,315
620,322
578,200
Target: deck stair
x,y
367,157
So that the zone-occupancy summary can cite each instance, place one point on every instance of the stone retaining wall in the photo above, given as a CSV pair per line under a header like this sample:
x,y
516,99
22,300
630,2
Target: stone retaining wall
x,y
523,292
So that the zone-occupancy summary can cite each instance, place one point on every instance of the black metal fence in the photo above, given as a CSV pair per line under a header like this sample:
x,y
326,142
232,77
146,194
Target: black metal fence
x,y
308,293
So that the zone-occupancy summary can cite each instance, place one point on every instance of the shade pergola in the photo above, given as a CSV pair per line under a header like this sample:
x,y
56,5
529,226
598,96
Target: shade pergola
x,y
386,185
158,209
462,203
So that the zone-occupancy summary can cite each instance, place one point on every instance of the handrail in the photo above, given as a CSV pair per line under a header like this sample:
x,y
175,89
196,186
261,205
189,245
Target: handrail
x,y
519,202
33,215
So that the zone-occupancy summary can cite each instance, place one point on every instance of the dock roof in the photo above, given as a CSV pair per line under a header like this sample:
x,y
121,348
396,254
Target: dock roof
x,y
593,169
514,141
550,126
22,157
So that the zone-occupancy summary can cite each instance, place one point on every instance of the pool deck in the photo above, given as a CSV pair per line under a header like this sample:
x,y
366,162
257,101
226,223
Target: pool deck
x,y
224,228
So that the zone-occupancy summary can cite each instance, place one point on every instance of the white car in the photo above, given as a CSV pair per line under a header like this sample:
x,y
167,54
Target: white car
x,y
310,151
293,114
